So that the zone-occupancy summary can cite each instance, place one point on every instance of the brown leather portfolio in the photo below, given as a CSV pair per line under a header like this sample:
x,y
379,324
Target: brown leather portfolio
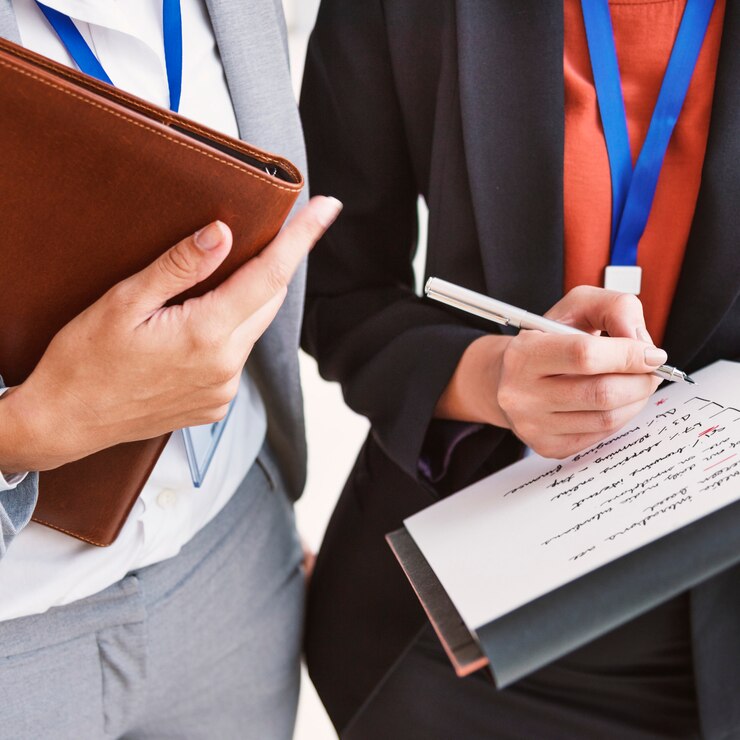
x,y
94,185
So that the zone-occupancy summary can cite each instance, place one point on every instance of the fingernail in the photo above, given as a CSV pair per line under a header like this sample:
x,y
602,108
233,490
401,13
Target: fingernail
x,y
209,237
327,210
643,335
655,356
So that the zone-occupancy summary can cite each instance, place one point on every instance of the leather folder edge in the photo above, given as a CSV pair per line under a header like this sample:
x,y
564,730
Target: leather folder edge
x,y
459,644
113,532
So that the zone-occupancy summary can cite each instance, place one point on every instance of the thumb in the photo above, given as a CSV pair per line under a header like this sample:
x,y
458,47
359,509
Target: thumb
x,y
181,267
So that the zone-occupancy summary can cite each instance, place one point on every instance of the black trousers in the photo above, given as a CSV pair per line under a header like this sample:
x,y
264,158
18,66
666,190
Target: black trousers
x,y
633,684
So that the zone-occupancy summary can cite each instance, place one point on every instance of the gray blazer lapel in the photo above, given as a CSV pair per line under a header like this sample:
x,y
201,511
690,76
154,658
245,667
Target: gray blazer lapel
x,y
511,93
252,42
8,26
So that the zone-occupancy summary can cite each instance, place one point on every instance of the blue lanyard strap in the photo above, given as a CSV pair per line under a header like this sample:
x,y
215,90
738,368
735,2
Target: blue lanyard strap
x,y
633,192
88,63
76,46
172,27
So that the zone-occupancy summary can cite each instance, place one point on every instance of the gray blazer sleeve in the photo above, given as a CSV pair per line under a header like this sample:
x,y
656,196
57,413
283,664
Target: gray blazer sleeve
x,y
16,507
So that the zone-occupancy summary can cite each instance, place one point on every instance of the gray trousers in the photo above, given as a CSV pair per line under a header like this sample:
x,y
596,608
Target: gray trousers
x,y
205,645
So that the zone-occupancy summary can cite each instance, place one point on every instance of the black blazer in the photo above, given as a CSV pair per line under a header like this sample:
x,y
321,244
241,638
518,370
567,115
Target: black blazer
x,y
462,102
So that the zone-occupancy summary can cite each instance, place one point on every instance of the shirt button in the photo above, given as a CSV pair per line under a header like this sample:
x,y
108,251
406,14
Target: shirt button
x,y
167,498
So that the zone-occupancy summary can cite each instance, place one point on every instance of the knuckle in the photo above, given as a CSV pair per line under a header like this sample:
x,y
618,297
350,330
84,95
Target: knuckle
x,y
603,395
633,358
308,230
233,386
119,292
122,296
217,413
584,355
228,390
277,275
224,369
222,411
549,448
223,395
113,308
627,303
580,291
507,397
516,352
226,366
177,262
579,442
608,420
203,339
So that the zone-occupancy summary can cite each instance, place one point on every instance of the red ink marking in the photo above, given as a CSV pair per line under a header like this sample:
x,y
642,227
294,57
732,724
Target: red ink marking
x,y
720,462
661,402
711,429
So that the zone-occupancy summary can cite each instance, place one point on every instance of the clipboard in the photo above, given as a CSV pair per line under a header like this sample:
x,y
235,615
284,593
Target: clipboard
x,y
513,628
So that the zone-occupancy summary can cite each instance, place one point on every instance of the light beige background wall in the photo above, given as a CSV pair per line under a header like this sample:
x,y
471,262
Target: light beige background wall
x,y
334,433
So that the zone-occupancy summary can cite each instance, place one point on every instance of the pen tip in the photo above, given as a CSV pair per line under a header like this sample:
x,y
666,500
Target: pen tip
x,y
689,380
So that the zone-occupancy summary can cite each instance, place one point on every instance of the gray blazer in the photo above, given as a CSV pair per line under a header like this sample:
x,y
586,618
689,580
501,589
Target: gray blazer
x,y
252,40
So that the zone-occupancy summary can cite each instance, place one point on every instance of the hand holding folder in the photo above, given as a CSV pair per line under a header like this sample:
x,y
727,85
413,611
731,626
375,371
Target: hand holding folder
x,y
148,368
96,185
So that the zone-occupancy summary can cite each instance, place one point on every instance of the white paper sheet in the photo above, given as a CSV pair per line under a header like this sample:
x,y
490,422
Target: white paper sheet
x,y
539,524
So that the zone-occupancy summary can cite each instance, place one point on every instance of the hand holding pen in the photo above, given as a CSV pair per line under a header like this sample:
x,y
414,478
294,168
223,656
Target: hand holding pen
x,y
564,387
508,315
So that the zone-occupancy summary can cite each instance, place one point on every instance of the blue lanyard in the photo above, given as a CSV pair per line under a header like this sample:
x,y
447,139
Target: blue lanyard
x,y
88,63
633,191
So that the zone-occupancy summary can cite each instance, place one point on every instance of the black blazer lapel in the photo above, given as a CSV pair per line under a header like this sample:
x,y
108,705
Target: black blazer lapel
x,y
511,90
710,278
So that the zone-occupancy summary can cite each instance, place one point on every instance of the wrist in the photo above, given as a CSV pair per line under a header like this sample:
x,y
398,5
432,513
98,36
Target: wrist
x,y
22,424
12,437
471,394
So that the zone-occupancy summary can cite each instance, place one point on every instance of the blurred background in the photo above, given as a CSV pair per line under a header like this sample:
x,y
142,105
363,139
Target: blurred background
x,y
334,432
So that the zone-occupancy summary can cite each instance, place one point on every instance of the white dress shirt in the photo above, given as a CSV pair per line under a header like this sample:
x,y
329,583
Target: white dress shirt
x,y
44,568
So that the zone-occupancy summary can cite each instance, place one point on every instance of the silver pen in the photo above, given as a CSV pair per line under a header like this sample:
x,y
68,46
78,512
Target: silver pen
x,y
503,313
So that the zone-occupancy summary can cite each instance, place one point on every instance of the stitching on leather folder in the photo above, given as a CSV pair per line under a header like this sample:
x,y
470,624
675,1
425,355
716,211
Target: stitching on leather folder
x,y
145,127
66,531
161,113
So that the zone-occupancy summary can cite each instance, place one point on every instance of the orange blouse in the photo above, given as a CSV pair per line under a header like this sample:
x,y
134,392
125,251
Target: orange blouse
x,y
644,32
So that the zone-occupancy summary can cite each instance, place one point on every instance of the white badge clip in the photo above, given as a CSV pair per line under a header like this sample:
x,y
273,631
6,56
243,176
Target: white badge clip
x,y
623,278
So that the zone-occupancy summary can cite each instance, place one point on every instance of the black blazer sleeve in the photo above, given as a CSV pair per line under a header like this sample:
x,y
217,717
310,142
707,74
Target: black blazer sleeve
x,y
393,352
